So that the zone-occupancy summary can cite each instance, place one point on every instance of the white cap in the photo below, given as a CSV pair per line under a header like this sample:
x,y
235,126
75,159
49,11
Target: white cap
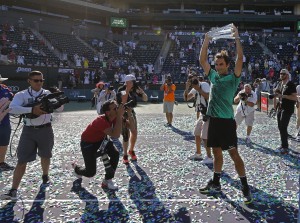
x,y
129,77
2,78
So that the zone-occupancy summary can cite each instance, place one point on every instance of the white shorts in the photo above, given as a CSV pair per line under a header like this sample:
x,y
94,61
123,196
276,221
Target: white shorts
x,y
168,106
249,118
201,128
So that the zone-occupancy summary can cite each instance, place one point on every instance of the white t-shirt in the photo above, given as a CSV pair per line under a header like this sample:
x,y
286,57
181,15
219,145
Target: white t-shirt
x,y
242,107
206,88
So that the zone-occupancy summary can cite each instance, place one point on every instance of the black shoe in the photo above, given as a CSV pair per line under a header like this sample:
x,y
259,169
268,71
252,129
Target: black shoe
x,y
5,167
247,194
11,195
46,179
210,187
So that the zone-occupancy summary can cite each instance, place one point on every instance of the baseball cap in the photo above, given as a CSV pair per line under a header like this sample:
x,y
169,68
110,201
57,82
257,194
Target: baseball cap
x,y
129,77
3,78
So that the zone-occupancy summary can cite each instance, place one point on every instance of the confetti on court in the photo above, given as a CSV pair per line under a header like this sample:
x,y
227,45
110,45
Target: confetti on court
x,y
162,186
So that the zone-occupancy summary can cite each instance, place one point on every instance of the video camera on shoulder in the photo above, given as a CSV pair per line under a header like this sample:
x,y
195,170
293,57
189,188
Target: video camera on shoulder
x,y
48,103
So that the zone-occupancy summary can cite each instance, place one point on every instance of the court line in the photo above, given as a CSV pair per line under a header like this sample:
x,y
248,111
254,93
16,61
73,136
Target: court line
x,y
123,200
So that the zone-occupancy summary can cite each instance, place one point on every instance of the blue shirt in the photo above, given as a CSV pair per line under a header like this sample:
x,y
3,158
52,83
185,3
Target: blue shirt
x,y
5,92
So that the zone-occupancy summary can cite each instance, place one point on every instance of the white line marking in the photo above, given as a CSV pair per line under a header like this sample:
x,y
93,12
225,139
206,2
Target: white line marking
x,y
124,200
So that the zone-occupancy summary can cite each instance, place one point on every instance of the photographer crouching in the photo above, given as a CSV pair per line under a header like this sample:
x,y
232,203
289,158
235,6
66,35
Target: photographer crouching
x,y
127,95
95,143
200,93
35,104
245,109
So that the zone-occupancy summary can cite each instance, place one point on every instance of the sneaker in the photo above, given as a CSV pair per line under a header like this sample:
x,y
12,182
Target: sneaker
x,y
284,151
125,159
247,195
210,187
132,154
109,184
298,138
5,167
11,195
208,160
196,156
46,179
74,172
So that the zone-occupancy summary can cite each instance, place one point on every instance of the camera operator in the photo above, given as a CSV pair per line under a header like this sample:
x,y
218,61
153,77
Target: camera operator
x,y
287,95
169,99
5,127
222,127
245,109
37,136
127,93
94,137
200,93
106,94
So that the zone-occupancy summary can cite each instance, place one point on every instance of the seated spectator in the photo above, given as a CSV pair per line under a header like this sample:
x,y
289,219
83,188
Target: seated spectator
x,y
12,57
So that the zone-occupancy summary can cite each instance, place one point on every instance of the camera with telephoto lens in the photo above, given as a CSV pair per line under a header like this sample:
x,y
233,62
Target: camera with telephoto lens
x,y
135,86
48,103
244,96
129,104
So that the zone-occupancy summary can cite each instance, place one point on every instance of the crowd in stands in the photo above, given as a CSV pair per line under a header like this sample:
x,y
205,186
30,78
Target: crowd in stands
x,y
20,46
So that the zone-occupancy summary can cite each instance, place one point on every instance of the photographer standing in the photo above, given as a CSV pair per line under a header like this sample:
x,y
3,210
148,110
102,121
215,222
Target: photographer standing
x,y
222,127
37,136
108,93
5,127
287,95
129,93
94,143
169,99
245,109
200,93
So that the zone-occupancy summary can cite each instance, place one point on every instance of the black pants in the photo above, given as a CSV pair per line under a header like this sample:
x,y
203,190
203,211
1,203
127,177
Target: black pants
x,y
283,119
89,153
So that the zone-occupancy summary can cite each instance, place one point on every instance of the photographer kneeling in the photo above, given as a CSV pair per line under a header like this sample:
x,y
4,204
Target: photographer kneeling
x,y
245,109
94,143
129,93
200,93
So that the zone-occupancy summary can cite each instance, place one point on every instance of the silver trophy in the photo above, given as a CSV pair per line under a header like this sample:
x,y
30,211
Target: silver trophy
x,y
224,32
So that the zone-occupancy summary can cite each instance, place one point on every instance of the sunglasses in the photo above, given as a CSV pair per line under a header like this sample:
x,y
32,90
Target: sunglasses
x,y
38,80
282,73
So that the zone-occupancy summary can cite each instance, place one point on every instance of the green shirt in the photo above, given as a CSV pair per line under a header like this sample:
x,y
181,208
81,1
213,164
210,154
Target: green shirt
x,y
223,88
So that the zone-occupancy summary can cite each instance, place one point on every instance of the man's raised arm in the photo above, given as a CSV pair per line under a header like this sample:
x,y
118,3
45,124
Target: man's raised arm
x,y
203,55
239,53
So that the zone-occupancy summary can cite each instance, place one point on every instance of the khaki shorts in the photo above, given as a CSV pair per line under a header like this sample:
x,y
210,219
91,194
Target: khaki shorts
x,y
168,106
35,142
249,119
201,128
